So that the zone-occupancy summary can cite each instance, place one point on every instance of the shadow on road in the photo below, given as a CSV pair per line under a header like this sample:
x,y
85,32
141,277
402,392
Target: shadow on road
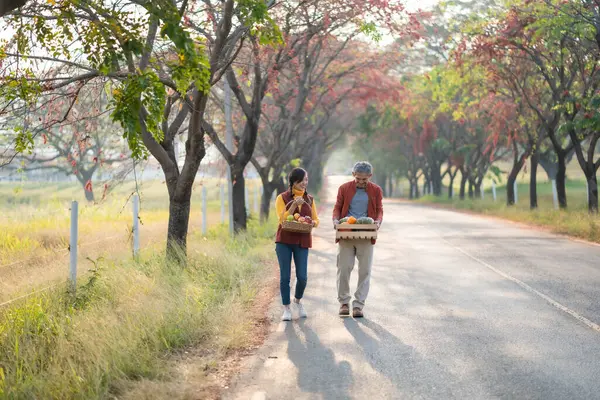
x,y
312,359
400,363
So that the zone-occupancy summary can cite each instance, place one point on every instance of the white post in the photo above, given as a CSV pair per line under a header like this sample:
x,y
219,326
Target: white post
x,y
516,192
401,189
73,245
274,197
204,213
136,225
222,204
229,144
482,190
494,190
554,194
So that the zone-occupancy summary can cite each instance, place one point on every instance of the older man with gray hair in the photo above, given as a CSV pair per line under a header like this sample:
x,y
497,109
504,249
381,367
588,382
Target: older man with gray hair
x,y
357,198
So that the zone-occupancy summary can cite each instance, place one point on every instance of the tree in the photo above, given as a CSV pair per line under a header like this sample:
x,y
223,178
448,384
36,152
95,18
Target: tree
x,y
82,145
159,73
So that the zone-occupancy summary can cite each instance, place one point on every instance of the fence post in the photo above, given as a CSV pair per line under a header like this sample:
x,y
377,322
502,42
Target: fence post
x,y
554,194
516,192
136,225
482,190
222,204
73,245
204,213
494,190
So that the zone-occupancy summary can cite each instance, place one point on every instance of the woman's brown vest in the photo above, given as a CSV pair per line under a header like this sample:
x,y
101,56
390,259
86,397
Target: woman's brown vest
x,y
302,239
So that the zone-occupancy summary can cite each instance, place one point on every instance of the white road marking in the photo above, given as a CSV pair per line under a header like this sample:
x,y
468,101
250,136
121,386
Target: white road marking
x,y
525,286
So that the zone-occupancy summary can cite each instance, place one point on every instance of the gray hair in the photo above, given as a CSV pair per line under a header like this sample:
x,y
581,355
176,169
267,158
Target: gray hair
x,y
362,167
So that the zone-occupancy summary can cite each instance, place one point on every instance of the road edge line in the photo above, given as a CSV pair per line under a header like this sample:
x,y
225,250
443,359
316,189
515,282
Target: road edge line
x,y
528,288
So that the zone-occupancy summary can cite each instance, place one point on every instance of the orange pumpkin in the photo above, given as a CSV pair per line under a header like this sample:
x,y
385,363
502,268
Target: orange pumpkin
x,y
351,220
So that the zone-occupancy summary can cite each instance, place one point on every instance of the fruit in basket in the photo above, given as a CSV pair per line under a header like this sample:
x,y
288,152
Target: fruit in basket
x,y
351,220
301,220
308,219
290,218
344,220
296,216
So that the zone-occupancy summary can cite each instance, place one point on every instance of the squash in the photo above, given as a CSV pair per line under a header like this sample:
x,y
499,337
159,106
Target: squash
x,y
351,220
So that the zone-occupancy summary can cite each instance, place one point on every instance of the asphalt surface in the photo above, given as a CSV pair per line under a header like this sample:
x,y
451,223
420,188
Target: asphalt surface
x,y
460,307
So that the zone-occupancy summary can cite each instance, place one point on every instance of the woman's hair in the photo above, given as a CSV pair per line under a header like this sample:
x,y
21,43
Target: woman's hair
x,y
296,175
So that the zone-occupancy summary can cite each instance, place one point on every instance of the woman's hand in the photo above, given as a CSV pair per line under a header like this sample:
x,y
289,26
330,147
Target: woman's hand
x,y
298,201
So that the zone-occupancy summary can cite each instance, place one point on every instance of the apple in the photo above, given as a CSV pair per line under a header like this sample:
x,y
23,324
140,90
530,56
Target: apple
x,y
296,216
290,218
302,219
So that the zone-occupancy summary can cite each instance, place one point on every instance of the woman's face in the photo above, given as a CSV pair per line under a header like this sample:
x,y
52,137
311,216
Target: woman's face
x,y
302,184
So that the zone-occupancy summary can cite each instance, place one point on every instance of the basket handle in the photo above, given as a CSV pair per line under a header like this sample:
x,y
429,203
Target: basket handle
x,y
287,205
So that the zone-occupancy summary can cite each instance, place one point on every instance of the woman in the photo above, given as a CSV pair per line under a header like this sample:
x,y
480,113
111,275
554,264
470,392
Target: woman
x,y
294,244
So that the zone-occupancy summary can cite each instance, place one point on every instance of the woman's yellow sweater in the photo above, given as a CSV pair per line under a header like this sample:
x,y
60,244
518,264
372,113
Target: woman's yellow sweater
x,y
280,207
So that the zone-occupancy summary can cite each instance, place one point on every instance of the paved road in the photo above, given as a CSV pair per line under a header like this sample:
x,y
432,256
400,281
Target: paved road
x,y
461,307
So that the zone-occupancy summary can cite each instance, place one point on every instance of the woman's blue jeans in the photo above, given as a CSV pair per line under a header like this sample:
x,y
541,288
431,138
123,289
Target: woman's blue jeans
x,y
285,252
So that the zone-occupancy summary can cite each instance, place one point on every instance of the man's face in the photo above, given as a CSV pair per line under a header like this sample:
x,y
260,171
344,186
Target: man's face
x,y
361,179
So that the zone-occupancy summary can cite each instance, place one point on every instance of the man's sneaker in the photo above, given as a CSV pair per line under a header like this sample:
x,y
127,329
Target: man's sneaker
x,y
357,313
344,310
287,314
301,311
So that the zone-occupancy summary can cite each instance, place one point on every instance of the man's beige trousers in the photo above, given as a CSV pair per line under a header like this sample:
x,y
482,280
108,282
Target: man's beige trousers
x,y
348,250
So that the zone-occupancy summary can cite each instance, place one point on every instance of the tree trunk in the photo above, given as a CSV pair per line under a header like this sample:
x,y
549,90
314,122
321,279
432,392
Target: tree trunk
x,y
561,178
478,190
265,201
382,181
463,182
510,188
240,218
7,6
471,192
89,195
179,217
436,180
533,202
451,185
592,193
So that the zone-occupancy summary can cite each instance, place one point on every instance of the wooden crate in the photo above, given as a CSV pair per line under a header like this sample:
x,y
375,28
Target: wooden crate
x,y
356,231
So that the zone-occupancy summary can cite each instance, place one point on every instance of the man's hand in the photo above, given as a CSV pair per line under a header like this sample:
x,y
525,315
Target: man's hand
x,y
335,223
378,223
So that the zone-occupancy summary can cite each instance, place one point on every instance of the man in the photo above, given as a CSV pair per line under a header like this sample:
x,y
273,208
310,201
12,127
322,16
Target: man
x,y
357,198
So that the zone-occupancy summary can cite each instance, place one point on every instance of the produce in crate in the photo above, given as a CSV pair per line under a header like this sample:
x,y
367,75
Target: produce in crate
x,y
356,228
365,220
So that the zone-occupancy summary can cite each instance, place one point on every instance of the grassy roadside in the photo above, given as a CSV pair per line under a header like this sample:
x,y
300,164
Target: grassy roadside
x,y
130,319
575,221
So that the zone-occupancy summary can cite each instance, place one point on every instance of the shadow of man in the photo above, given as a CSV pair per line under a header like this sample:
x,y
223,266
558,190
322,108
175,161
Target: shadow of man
x,y
400,363
318,371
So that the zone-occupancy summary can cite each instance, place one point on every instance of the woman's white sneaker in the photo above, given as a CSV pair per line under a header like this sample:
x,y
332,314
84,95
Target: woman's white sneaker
x,y
287,314
301,311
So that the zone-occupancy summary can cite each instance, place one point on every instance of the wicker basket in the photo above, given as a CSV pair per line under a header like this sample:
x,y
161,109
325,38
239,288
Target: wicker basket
x,y
294,226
